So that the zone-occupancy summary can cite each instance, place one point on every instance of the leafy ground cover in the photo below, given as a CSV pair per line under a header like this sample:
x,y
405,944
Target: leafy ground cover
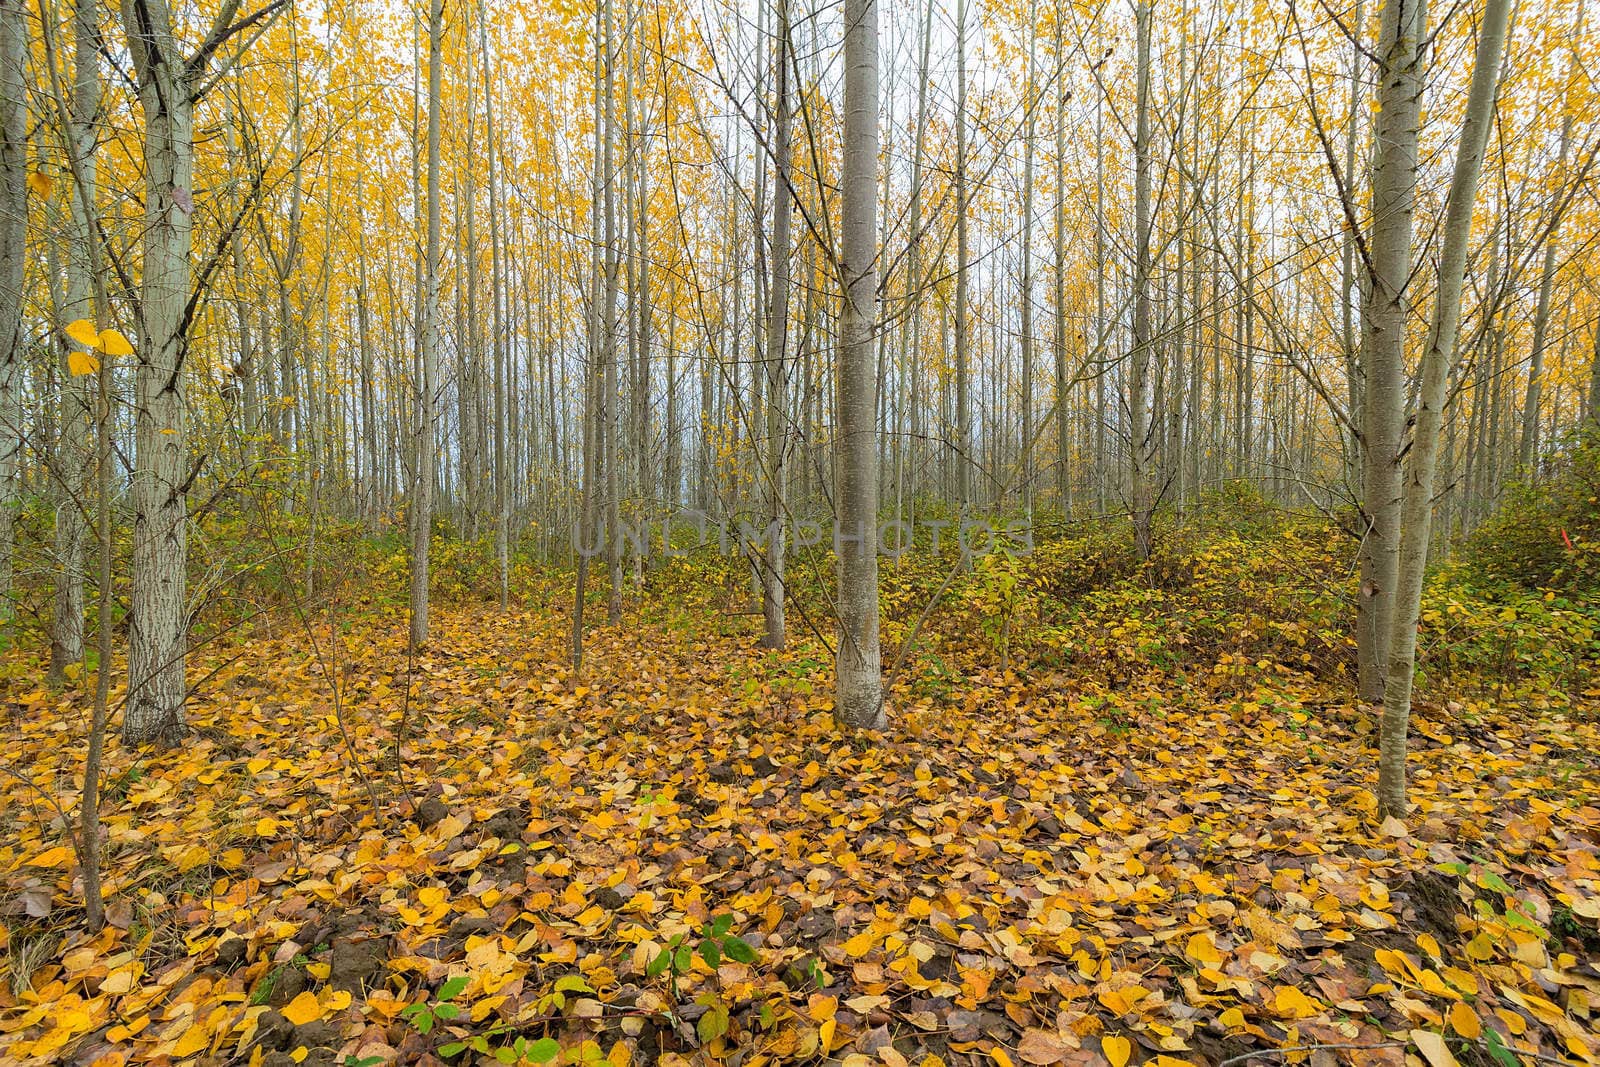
x,y
467,857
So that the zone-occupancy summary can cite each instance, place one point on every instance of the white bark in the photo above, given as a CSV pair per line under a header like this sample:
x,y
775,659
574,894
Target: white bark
x,y
1394,180
858,699
1417,509
158,617
421,511
772,586
1142,490
13,255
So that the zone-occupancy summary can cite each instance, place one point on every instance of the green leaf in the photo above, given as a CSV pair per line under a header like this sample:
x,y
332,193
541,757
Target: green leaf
x,y
572,983
710,952
454,1048
721,924
447,1011
543,1050
479,1043
739,949
453,987
713,1024
682,959
423,1022
506,1055
1497,1048
658,964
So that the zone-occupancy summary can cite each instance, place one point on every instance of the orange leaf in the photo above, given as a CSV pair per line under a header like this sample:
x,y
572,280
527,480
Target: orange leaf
x,y
303,1009
60,856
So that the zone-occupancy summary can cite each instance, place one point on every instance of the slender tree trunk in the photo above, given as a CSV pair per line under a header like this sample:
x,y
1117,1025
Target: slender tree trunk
x,y
1063,381
1030,102
1394,180
371,502
502,511
911,323
610,399
427,400
77,418
1348,297
593,411
1102,461
1142,495
13,256
1438,357
963,449
772,587
858,698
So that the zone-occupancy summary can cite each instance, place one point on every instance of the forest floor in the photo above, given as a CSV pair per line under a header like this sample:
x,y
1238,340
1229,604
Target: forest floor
x,y
1024,870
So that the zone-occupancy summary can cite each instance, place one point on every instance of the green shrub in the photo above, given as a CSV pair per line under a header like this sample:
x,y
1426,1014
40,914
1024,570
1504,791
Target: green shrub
x,y
1546,534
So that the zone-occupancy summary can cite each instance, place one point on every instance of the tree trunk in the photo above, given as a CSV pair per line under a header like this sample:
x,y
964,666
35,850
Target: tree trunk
x,y
1394,180
772,587
963,449
421,511
1025,299
858,698
1142,491
13,256
158,614
77,422
1417,510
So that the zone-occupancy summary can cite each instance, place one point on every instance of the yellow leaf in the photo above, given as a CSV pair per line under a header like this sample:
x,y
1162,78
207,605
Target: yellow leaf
x,y
859,945
81,363
1464,1021
303,1009
194,1041
1433,1048
1231,1018
337,999
83,332
1203,949
59,856
1122,1001
266,826
41,184
118,981
1293,1004
112,343
1117,1050
1000,1057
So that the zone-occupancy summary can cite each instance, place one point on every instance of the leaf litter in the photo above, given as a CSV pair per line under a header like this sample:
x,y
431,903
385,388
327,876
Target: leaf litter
x,y
1010,875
